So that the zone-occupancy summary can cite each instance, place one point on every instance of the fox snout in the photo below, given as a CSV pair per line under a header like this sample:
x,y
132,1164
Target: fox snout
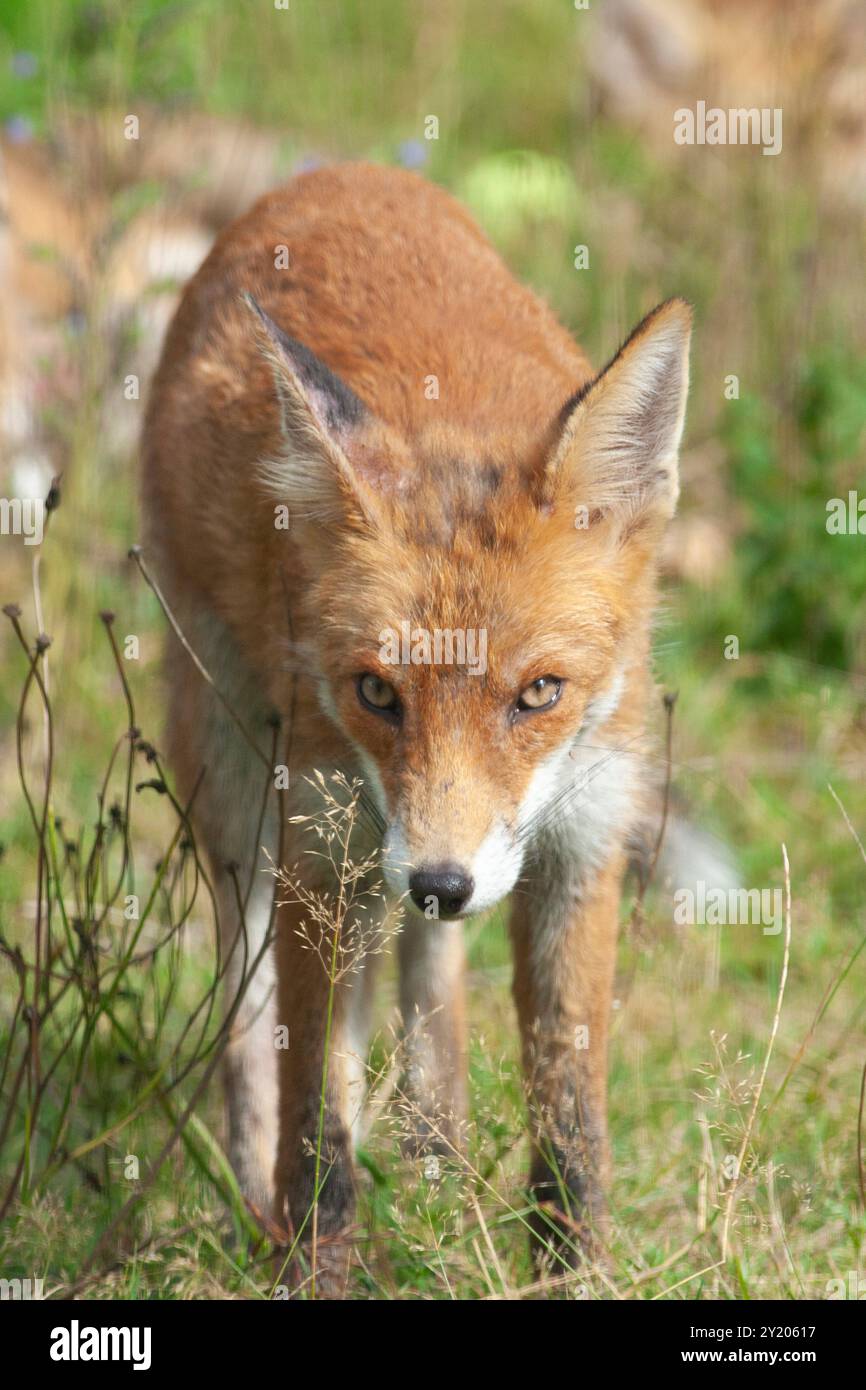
x,y
457,883
447,887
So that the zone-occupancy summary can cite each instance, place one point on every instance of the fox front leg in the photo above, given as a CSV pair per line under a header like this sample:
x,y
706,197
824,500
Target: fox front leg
x,y
564,944
326,1014
432,969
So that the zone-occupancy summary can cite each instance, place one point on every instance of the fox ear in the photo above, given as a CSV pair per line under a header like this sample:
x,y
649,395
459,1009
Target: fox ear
x,y
319,414
616,453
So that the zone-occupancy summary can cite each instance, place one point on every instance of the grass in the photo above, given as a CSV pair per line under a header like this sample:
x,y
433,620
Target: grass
x,y
759,741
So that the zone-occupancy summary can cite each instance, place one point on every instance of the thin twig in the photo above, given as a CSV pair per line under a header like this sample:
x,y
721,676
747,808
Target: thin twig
x,y
729,1205
135,554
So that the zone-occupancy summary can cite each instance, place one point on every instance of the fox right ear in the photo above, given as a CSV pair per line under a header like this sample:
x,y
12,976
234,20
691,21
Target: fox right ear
x,y
619,437
319,414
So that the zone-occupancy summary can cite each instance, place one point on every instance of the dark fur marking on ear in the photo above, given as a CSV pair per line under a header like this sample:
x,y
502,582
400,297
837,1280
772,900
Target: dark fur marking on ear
x,y
583,391
574,400
342,408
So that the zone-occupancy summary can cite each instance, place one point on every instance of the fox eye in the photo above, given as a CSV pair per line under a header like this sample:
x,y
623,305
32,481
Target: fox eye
x,y
378,695
541,694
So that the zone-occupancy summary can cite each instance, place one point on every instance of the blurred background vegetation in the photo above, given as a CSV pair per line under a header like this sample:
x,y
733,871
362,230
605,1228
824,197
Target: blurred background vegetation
x,y
555,127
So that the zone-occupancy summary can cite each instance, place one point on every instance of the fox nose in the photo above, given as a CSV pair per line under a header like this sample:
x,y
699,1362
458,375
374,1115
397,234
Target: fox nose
x,y
449,886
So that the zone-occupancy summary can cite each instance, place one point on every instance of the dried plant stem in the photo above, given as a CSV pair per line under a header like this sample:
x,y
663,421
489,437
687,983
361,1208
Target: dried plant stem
x,y
329,1023
135,554
861,1176
637,912
729,1204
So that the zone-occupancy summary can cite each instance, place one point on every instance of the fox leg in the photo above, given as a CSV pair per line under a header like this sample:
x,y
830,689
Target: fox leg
x,y
564,944
325,1009
249,1063
432,967
227,786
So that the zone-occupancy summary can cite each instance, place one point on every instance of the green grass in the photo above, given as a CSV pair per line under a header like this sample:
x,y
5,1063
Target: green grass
x,y
758,740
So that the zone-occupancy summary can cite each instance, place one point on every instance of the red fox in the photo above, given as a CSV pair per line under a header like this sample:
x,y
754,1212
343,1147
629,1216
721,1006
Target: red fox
x,y
354,350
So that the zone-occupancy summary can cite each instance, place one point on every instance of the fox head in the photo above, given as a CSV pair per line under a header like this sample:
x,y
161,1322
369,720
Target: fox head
x,y
478,606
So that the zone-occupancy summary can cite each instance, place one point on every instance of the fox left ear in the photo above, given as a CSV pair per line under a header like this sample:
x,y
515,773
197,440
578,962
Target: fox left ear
x,y
319,416
619,438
